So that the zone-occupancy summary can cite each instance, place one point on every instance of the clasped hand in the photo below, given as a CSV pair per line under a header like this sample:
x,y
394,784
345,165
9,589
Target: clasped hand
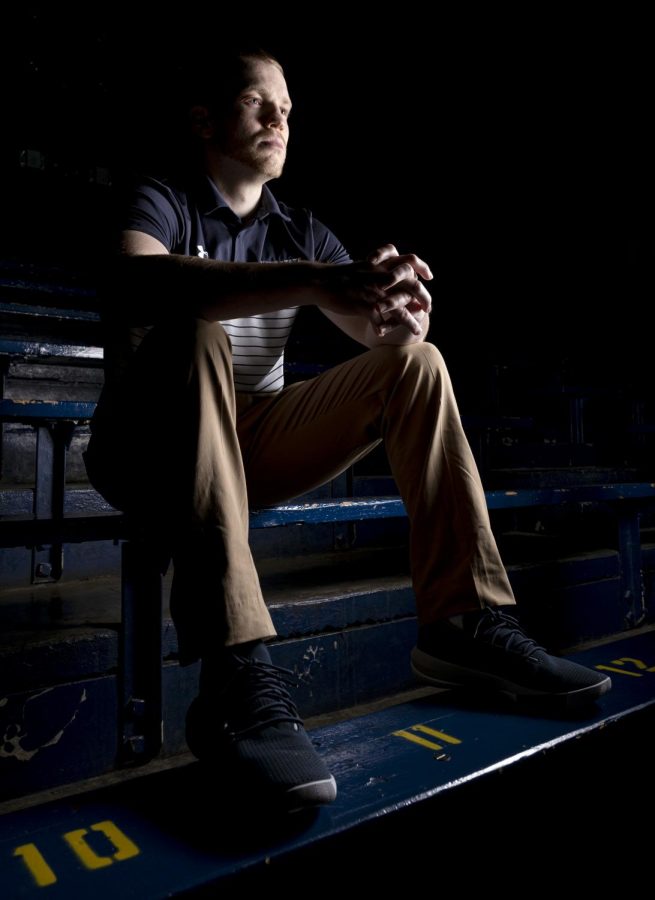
x,y
387,289
406,300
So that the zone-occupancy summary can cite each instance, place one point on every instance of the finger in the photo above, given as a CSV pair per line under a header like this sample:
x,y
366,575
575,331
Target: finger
x,y
418,265
377,319
382,253
371,293
393,325
402,316
386,329
419,314
423,296
398,274
383,324
403,294
392,319
416,309
420,294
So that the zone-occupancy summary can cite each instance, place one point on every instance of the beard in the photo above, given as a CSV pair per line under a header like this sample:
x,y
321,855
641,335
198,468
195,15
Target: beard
x,y
251,152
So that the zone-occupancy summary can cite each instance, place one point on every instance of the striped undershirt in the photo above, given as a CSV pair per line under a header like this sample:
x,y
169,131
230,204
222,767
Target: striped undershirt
x,y
258,344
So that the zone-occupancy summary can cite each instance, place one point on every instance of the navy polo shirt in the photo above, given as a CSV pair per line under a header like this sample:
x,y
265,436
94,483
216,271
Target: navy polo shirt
x,y
193,219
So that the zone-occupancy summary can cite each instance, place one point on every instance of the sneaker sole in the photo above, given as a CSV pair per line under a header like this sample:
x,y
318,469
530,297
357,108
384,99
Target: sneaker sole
x,y
314,793
445,674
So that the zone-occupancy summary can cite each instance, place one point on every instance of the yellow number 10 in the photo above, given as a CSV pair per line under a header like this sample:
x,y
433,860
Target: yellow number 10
x,y
76,840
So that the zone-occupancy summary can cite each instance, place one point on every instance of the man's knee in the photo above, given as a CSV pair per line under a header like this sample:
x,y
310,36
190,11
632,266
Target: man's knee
x,y
424,352
210,334
202,344
413,357
185,336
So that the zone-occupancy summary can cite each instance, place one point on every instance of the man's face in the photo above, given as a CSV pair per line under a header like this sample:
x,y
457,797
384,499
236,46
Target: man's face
x,y
257,130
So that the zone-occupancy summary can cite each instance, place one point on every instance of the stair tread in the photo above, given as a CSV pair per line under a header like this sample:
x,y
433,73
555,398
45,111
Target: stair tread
x,y
96,602
380,773
48,612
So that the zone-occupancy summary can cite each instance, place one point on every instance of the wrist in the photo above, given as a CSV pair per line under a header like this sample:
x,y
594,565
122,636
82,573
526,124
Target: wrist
x,y
315,284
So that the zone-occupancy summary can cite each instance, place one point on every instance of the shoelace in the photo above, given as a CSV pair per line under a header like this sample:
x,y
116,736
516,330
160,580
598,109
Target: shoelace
x,y
260,697
498,628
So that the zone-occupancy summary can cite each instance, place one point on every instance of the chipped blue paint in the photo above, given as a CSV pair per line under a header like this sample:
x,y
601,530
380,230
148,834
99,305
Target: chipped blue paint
x,y
351,509
27,410
50,312
45,349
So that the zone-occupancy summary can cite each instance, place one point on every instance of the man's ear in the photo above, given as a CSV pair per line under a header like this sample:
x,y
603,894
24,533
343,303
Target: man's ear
x,y
202,122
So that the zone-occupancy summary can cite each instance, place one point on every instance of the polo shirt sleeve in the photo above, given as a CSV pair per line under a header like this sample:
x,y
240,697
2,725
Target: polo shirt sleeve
x,y
155,210
327,247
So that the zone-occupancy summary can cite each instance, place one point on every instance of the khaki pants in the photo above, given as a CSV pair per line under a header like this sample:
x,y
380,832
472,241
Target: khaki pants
x,y
178,449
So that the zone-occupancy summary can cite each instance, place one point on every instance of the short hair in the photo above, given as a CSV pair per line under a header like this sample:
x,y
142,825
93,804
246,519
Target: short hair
x,y
217,82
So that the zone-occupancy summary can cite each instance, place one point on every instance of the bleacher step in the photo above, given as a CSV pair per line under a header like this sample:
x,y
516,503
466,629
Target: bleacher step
x,y
346,628
430,783
293,587
564,599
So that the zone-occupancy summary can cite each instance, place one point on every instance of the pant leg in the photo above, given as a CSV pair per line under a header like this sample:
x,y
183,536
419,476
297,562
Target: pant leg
x,y
164,448
403,395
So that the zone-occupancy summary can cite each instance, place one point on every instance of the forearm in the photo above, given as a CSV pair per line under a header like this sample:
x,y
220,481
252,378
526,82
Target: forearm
x,y
149,287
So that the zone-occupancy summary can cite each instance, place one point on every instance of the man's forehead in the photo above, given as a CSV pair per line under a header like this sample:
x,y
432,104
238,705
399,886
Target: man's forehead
x,y
260,75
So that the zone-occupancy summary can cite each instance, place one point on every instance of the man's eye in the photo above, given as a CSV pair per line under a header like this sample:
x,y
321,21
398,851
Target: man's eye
x,y
254,100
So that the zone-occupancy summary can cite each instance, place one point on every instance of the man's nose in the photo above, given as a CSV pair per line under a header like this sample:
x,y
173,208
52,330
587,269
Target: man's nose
x,y
274,117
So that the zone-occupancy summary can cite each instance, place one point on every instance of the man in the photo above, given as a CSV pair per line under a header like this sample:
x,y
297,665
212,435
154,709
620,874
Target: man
x,y
174,443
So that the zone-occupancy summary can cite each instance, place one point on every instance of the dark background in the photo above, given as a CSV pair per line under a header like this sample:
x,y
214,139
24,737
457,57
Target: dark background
x,y
514,155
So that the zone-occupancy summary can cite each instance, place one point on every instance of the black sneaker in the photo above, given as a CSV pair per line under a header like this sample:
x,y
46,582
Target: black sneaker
x,y
491,651
251,731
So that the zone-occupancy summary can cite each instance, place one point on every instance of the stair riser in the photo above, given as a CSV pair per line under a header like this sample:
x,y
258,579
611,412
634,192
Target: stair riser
x,y
68,732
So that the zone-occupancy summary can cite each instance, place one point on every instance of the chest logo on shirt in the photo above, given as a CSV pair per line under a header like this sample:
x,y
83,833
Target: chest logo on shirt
x,y
202,253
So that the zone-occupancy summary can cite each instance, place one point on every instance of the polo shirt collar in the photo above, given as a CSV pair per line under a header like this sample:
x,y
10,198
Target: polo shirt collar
x,y
270,206
212,201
